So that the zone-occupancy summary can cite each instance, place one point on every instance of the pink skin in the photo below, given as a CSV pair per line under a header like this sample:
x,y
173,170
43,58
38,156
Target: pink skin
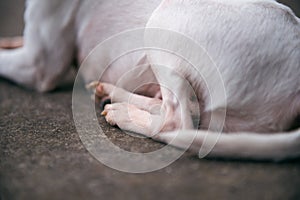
x,y
11,43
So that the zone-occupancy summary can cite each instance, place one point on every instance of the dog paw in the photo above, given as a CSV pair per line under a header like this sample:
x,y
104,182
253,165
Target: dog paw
x,y
100,89
120,113
92,87
128,117
109,115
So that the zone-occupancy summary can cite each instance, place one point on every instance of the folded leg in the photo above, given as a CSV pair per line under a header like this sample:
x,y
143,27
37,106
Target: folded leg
x,y
119,95
131,118
134,113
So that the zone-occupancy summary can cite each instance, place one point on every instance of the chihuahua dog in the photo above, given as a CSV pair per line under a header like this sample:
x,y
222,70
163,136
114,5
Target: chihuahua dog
x,y
245,76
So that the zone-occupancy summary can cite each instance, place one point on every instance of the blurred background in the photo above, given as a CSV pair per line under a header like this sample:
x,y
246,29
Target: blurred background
x,y
11,17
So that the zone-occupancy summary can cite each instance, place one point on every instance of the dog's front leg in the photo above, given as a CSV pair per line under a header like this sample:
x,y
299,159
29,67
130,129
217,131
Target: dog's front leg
x,y
120,95
48,45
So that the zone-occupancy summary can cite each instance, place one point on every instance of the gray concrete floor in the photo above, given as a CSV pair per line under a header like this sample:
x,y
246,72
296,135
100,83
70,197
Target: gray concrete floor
x,y
42,157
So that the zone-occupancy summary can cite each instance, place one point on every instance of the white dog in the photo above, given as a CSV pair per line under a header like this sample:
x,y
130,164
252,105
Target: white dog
x,y
254,44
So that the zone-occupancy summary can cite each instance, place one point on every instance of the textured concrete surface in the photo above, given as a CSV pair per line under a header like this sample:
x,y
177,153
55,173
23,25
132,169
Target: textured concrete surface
x,y
42,157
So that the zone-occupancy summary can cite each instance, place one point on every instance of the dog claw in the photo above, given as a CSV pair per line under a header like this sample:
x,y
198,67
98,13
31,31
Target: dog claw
x,y
96,88
92,86
104,113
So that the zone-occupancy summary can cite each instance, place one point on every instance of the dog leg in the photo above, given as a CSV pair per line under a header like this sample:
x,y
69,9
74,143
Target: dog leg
x,y
48,38
119,95
131,118
173,114
176,91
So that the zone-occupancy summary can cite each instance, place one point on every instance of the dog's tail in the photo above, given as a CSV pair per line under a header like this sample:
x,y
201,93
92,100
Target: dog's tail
x,y
272,147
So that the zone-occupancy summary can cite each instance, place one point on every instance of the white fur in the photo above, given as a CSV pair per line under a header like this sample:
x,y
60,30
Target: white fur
x,y
255,45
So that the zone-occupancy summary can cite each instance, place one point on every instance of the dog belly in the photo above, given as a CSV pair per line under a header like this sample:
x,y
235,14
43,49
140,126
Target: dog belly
x,y
259,74
108,18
